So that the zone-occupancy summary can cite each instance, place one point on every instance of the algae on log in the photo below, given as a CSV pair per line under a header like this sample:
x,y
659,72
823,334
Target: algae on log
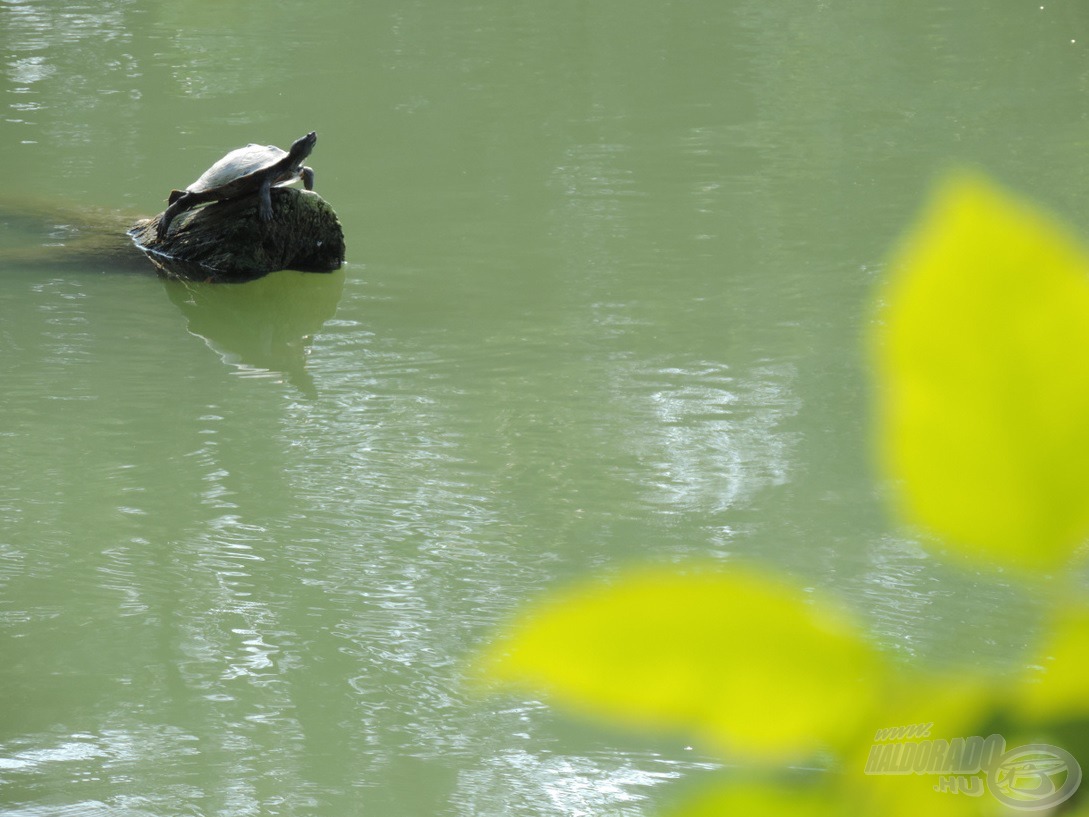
x,y
227,241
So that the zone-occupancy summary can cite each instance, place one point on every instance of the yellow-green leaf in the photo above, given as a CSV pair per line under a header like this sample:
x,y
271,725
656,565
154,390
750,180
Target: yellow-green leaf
x,y
982,354
749,662
911,795
1061,689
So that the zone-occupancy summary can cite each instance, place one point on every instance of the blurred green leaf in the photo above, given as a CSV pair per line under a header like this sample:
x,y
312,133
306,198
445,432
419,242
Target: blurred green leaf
x,y
1061,689
913,795
983,365
741,659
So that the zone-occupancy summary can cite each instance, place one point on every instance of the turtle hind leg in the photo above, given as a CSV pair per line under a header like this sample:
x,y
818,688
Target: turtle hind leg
x,y
307,176
178,204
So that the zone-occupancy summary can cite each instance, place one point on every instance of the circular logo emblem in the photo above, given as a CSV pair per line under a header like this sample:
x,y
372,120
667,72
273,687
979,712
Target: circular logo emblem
x,y
1033,777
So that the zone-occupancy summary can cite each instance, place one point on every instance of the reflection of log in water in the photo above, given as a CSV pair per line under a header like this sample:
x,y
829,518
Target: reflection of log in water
x,y
224,242
265,327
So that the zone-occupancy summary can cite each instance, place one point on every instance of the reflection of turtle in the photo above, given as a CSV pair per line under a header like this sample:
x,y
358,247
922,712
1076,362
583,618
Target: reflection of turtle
x,y
252,169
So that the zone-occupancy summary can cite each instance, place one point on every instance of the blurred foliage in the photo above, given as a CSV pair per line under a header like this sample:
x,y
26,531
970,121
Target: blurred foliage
x,y
983,379
981,357
676,641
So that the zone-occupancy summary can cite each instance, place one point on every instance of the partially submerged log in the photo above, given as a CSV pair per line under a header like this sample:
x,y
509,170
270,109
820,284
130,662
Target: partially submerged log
x,y
227,241
50,235
221,242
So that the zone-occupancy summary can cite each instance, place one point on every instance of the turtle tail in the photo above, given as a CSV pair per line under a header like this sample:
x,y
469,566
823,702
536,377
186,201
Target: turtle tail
x,y
174,196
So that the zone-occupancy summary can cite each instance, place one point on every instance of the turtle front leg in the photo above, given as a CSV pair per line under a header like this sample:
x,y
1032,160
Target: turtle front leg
x,y
307,176
264,206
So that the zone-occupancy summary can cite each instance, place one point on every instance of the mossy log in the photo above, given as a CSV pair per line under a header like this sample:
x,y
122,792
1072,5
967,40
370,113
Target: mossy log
x,y
227,241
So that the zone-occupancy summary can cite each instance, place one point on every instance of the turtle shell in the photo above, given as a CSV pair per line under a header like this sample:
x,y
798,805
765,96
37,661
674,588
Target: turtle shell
x,y
238,171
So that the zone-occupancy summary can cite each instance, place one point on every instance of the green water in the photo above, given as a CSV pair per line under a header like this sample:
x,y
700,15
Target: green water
x,y
608,265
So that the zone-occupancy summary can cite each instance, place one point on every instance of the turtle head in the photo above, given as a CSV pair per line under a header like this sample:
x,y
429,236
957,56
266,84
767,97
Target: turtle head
x,y
301,147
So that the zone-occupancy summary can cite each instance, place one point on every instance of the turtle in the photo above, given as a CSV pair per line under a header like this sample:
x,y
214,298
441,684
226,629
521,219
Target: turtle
x,y
252,169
